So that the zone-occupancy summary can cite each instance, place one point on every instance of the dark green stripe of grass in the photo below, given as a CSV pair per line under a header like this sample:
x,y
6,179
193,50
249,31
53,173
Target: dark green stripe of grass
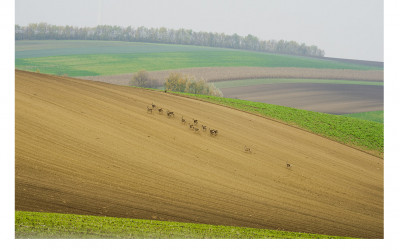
x,y
70,226
366,135
375,116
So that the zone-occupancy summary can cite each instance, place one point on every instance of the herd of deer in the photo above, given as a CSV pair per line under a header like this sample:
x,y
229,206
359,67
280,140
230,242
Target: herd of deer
x,y
213,132
170,114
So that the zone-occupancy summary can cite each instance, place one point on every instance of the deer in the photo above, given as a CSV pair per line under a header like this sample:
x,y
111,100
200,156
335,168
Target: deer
x,y
195,121
213,132
153,105
183,120
149,110
195,129
170,113
246,149
191,126
288,165
204,128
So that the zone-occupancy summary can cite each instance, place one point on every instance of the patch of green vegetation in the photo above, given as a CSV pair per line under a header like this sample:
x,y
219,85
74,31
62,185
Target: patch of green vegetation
x,y
70,226
46,48
53,68
83,58
375,116
249,82
367,135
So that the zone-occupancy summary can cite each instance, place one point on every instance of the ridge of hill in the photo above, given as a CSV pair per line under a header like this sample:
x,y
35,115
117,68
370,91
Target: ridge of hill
x,y
92,148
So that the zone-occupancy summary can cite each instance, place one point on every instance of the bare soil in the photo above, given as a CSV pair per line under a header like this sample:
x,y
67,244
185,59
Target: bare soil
x,y
326,98
92,148
355,61
214,74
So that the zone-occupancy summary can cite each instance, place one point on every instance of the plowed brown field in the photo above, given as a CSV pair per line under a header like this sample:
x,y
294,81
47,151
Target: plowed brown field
x,y
327,98
91,148
215,74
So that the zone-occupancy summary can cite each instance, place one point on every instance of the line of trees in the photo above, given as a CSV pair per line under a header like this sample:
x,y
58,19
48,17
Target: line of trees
x,y
176,82
44,31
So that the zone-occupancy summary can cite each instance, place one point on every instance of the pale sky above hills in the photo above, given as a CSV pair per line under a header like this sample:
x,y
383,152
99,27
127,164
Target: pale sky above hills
x,y
343,28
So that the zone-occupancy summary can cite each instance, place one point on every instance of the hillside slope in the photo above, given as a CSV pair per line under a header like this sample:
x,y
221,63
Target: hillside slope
x,y
91,148
92,58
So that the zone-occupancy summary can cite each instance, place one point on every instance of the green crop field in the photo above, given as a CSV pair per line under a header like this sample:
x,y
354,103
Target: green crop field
x,y
249,82
375,116
34,225
89,58
45,48
364,134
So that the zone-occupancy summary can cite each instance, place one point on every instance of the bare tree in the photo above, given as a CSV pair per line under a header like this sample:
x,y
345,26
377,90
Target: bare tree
x,y
143,80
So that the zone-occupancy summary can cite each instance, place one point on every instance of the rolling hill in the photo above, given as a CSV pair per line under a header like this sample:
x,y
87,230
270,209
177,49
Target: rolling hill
x,y
91,58
92,148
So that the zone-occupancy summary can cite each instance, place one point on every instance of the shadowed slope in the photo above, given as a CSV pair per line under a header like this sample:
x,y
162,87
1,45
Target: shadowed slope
x,y
91,148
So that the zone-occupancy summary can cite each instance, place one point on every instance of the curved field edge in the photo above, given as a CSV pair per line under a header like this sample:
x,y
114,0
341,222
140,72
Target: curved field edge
x,y
41,225
362,134
251,82
375,116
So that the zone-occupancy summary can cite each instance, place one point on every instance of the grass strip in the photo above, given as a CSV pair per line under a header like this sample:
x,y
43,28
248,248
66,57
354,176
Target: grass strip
x,y
363,134
375,116
70,226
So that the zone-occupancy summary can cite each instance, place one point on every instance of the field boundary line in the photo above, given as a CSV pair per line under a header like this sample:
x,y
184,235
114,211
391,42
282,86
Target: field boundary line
x,y
248,112
278,121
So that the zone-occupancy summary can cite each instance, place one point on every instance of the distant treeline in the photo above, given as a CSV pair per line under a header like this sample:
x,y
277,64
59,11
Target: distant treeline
x,y
44,31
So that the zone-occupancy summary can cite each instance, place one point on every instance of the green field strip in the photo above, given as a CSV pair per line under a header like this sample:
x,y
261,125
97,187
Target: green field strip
x,y
375,116
35,225
46,48
84,58
362,134
250,82
113,64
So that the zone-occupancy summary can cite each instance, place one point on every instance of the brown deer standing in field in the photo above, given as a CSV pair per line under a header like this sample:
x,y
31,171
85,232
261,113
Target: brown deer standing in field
x,y
170,113
288,165
149,110
160,111
195,121
246,149
183,120
196,130
153,105
191,126
213,132
204,128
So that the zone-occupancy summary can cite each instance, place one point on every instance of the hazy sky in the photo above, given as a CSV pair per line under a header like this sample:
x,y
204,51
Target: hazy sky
x,y
343,28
